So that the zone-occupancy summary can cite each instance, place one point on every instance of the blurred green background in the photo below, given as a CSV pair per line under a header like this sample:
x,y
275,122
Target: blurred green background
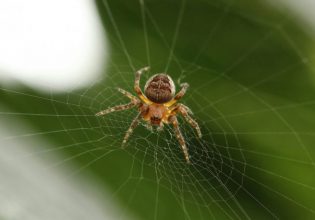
x,y
251,75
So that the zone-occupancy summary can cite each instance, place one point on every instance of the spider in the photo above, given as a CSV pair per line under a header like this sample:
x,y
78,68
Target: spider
x,y
158,105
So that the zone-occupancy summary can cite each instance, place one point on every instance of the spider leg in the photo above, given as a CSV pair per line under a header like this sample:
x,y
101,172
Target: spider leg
x,y
179,95
148,126
116,108
160,127
137,84
127,94
182,92
180,137
133,125
185,111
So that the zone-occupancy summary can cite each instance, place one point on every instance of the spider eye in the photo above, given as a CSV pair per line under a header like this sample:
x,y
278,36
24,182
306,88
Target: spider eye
x,y
155,120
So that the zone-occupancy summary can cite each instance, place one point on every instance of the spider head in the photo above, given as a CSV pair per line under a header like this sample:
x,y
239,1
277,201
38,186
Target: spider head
x,y
155,114
160,88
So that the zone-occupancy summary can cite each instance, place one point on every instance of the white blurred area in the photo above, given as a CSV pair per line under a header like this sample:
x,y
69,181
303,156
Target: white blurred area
x,y
40,185
51,45
302,9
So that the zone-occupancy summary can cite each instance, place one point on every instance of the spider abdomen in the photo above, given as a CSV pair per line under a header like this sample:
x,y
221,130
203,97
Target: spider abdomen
x,y
160,88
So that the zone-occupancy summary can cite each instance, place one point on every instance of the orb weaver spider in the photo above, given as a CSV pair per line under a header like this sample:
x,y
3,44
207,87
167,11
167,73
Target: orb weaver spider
x,y
158,105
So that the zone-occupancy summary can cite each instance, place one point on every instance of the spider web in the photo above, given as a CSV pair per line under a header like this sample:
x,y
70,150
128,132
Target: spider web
x,y
255,159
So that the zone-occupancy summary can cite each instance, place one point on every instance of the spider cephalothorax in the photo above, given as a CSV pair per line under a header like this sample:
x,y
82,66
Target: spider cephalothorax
x,y
158,105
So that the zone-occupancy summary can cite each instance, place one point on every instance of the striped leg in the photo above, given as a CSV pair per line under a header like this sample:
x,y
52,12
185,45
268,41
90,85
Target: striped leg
x,y
116,108
184,110
137,84
180,137
127,94
133,125
182,92
179,95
